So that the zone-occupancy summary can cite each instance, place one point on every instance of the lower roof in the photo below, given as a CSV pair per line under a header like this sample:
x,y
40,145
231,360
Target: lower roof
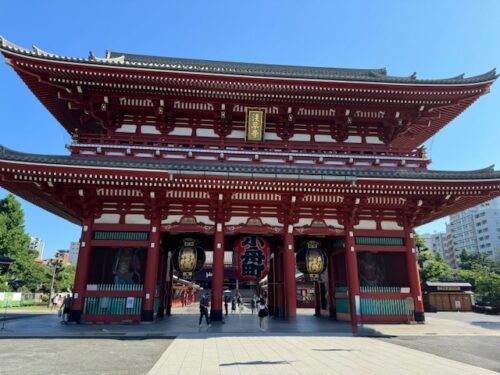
x,y
253,170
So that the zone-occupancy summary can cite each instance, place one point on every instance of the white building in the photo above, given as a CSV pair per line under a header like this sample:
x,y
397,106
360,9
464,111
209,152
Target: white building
x,y
477,228
452,256
74,248
436,242
439,243
37,245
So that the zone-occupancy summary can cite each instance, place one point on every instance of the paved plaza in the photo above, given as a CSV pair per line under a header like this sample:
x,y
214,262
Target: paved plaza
x,y
449,343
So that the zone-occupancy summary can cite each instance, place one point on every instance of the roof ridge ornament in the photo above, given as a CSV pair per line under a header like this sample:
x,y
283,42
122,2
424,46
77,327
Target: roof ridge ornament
x,y
4,43
41,52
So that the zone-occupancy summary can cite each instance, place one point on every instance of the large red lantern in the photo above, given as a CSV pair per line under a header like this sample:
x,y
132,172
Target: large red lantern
x,y
252,257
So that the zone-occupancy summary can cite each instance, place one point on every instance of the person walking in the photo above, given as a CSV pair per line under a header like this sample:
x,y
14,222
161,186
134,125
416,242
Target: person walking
x,y
239,302
204,305
226,302
263,312
253,305
55,302
233,305
66,307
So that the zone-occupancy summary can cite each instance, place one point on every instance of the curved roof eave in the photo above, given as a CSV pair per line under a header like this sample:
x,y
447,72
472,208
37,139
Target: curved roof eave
x,y
346,174
221,68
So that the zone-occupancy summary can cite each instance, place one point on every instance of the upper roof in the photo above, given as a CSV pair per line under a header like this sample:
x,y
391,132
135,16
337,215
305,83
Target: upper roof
x,y
249,69
282,71
410,110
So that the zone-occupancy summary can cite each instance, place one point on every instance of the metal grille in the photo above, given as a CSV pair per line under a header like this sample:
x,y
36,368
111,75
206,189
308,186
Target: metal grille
x,y
120,236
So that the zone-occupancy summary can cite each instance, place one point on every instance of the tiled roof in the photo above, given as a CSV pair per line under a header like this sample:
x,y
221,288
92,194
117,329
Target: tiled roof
x,y
254,170
246,69
286,71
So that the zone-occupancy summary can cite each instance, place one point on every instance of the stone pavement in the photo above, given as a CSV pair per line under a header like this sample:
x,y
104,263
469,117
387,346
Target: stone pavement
x,y
285,354
441,324
307,345
185,320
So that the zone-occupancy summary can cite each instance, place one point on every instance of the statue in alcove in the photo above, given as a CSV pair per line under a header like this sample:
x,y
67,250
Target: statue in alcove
x,y
370,270
127,268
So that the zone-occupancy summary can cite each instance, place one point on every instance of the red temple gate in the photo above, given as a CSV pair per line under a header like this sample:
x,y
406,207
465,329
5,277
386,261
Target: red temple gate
x,y
219,150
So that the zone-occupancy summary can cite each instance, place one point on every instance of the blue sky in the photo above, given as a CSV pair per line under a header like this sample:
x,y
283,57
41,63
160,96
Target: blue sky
x,y
436,39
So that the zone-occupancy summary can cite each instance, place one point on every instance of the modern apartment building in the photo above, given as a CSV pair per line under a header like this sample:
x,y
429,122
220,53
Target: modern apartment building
x,y
477,228
436,242
38,245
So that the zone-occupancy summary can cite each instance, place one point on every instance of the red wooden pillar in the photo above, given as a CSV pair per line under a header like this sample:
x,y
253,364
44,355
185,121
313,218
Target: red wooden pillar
x,y
413,275
150,277
289,274
82,271
352,279
217,274
331,285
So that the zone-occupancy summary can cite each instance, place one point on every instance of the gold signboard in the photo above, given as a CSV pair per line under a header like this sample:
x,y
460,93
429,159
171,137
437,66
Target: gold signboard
x,y
255,124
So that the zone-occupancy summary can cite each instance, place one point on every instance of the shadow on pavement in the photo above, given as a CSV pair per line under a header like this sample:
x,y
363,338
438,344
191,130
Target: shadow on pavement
x,y
253,363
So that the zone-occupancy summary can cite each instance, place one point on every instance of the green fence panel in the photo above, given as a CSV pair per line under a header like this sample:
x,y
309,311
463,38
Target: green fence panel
x,y
379,241
378,306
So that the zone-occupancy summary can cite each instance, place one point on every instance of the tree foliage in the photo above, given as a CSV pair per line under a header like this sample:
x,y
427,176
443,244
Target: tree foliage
x,y
14,242
24,274
478,269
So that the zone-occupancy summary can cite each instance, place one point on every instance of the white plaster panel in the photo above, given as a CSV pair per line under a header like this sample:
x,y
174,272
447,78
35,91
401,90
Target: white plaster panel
x,y
333,223
204,220
301,137
353,139
136,219
324,138
236,134
272,221
373,140
149,129
390,225
206,133
172,219
271,136
181,131
366,224
126,128
303,222
237,220
108,219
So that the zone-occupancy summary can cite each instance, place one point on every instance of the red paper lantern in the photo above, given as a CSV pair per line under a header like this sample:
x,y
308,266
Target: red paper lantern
x,y
252,257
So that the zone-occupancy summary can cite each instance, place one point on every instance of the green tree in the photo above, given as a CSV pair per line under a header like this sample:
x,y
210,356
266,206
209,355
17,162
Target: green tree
x,y
424,254
14,242
436,269
482,272
470,259
432,266
63,281
39,278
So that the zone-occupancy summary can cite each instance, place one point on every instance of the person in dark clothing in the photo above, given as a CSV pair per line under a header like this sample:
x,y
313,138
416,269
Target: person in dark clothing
x,y
233,305
226,302
204,305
